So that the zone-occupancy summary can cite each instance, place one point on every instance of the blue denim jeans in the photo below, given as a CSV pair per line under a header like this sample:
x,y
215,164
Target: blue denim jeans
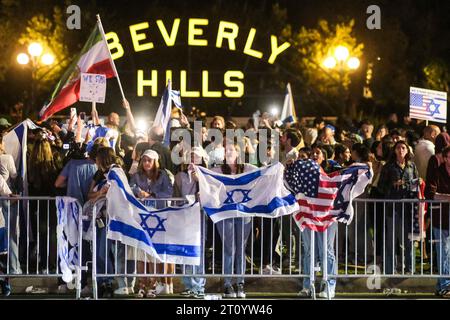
x,y
399,248
106,259
197,284
234,233
443,261
331,259
10,217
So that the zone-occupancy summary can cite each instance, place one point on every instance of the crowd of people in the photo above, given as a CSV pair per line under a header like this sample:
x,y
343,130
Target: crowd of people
x,y
65,160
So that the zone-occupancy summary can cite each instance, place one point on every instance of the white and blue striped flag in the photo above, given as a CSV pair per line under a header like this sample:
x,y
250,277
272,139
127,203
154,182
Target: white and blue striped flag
x,y
15,143
67,232
428,104
258,193
164,112
288,114
170,235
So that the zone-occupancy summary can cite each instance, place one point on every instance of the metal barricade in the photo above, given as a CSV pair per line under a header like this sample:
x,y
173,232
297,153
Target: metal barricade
x,y
263,230
381,242
29,241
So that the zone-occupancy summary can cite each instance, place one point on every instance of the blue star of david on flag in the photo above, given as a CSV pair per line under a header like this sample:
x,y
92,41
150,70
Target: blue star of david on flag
x,y
433,108
152,230
232,199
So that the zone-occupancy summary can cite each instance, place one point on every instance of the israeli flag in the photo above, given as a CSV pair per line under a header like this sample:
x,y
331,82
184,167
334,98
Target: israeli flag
x,y
259,193
15,143
170,235
67,232
175,96
288,113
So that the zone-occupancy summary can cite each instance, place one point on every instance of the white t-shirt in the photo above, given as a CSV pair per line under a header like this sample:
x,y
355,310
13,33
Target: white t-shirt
x,y
8,162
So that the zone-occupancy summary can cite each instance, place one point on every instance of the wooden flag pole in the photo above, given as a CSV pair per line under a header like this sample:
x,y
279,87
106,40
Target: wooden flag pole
x,y
99,21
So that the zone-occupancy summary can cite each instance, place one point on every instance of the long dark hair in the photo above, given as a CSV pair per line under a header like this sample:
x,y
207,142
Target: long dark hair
x,y
393,157
226,169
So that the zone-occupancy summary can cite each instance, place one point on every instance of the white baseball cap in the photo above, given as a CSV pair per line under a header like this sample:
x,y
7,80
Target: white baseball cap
x,y
150,154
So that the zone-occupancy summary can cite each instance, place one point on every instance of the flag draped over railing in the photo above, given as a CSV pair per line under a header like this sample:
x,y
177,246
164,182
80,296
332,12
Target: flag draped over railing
x,y
169,235
67,232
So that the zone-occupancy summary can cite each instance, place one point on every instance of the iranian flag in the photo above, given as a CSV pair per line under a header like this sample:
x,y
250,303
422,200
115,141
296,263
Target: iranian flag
x,y
93,58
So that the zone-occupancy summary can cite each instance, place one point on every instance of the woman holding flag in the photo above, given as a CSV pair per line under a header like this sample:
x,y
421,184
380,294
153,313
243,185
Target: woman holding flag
x,y
234,231
150,181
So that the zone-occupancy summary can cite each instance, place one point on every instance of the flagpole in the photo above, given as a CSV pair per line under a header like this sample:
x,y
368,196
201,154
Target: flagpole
x,y
100,26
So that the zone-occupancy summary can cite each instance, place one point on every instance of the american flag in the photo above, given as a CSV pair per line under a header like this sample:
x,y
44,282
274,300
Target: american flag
x,y
323,198
427,107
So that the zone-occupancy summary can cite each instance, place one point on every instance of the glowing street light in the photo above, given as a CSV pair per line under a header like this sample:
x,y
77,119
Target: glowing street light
x,y
353,63
341,53
329,62
48,59
341,59
35,58
35,49
22,58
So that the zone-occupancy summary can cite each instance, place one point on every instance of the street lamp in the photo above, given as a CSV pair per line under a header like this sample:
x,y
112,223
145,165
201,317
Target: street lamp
x,y
35,58
342,60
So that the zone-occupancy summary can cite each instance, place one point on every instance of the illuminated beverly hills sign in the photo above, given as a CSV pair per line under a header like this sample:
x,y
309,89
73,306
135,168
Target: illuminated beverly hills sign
x,y
227,33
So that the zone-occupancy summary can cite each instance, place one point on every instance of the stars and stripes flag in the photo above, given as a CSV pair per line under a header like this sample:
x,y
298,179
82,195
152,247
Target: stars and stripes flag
x,y
428,104
324,199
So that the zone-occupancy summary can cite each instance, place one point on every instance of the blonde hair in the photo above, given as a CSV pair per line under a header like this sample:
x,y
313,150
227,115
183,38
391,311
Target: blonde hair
x,y
102,141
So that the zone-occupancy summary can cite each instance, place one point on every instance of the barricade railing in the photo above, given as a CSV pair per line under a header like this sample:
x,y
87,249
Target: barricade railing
x,y
384,240
29,239
213,255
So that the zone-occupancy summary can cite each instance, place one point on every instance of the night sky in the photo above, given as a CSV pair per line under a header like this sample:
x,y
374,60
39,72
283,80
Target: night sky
x,y
424,27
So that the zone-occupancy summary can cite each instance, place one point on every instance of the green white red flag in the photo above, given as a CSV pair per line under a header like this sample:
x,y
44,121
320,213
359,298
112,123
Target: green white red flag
x,y
93,58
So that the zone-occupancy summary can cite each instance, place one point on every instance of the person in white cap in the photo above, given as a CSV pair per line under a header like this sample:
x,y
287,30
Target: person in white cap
x,y
150,181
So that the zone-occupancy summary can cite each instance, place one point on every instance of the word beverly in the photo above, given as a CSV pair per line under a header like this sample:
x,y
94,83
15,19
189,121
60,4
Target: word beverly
x,y
226,30
145,37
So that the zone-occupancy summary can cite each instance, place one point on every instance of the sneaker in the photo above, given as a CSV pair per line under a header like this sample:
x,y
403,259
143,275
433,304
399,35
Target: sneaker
x,y
162,289
121,291
150,293
187,293
240,291
271,270
141,293
199,295
35,290
6,288
305,292
229,292
392,291
324,294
